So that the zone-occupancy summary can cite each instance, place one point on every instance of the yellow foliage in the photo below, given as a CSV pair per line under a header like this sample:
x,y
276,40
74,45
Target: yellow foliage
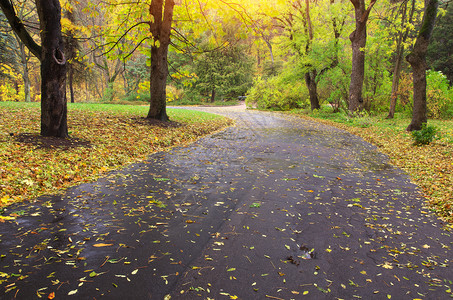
x,y
143,87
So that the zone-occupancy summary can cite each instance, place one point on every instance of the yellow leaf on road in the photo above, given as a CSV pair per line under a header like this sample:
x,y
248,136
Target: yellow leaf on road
x,y
102,245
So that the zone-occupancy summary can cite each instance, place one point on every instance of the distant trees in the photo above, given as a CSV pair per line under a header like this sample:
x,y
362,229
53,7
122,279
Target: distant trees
x,y
440,51
129,50
225,72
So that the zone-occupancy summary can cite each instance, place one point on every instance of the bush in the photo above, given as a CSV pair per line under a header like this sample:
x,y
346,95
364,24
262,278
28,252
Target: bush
x,y
439,96
276,94
424,136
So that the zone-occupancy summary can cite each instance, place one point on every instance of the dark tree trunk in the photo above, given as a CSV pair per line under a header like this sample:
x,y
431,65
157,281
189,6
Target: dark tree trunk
x,y
213,95
160,28
417,60
71,45
310,80
71,82
358,40
395,81
53,71
310,76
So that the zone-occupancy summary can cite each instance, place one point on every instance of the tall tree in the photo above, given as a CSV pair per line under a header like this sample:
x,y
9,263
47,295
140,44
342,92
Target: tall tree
x,y
358,40
71,46
160,28
310,75
417,60
53,63
400,41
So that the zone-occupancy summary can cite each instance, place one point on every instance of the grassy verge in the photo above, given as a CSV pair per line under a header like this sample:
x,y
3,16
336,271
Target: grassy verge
x,y
200,103
117,135
430,166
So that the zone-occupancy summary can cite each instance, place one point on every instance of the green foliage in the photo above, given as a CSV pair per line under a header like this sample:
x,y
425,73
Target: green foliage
x,y
276,93
227,72
137,71
439,96
440,56
334,86
424,136
108,93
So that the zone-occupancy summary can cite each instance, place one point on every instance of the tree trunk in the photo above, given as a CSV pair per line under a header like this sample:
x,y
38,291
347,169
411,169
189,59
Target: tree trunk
x,y
399,59
53,71
417,60
310,80
71,82
213,95
310,76
358,40
25,72
160,28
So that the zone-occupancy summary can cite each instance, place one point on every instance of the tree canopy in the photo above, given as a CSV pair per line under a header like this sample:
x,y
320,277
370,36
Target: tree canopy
x,y
348,55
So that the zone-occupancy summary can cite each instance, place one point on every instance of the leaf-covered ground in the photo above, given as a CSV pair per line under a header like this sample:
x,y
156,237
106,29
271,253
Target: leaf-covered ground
x,y
103,137
430,166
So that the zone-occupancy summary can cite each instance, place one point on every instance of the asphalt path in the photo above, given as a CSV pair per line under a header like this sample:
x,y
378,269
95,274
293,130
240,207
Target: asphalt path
x,y
276,207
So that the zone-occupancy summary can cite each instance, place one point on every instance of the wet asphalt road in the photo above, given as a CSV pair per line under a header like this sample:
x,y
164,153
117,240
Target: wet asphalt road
x,y
274,208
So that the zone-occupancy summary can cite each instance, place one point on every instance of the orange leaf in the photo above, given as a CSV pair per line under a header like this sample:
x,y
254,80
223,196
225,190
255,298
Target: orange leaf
x,y
51,296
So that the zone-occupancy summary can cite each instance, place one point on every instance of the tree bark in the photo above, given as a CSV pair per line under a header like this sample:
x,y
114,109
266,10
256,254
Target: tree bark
x,y
213,95
71,45
53,70
310,81
310,76
358,43
160,28
71,82
417,60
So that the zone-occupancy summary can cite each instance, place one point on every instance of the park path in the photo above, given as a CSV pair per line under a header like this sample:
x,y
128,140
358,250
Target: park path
x,y
275,207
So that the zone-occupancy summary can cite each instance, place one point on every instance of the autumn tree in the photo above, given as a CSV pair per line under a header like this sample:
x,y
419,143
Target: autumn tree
x,y
53,63
160,27
417,60
71,45
225,71
406,19
7,57
358,42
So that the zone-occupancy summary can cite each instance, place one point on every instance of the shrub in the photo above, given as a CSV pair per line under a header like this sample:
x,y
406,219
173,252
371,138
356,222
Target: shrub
x,y
424,136
438,96
276,94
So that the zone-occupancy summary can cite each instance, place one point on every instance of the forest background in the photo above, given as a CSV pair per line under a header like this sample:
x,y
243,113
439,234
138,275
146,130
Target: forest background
x,y
283,55
224,49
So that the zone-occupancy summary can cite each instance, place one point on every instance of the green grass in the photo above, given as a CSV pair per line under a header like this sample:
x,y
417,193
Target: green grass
x,y
175,114
187,102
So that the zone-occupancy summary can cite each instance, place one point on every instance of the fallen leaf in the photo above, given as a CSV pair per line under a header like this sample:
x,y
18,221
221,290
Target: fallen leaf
x,y
102,245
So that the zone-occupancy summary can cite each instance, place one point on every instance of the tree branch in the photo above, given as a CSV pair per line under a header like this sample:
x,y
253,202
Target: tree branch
x,y
19,28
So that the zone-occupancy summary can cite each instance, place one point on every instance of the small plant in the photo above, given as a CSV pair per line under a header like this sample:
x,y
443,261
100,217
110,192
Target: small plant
x,y
424,136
